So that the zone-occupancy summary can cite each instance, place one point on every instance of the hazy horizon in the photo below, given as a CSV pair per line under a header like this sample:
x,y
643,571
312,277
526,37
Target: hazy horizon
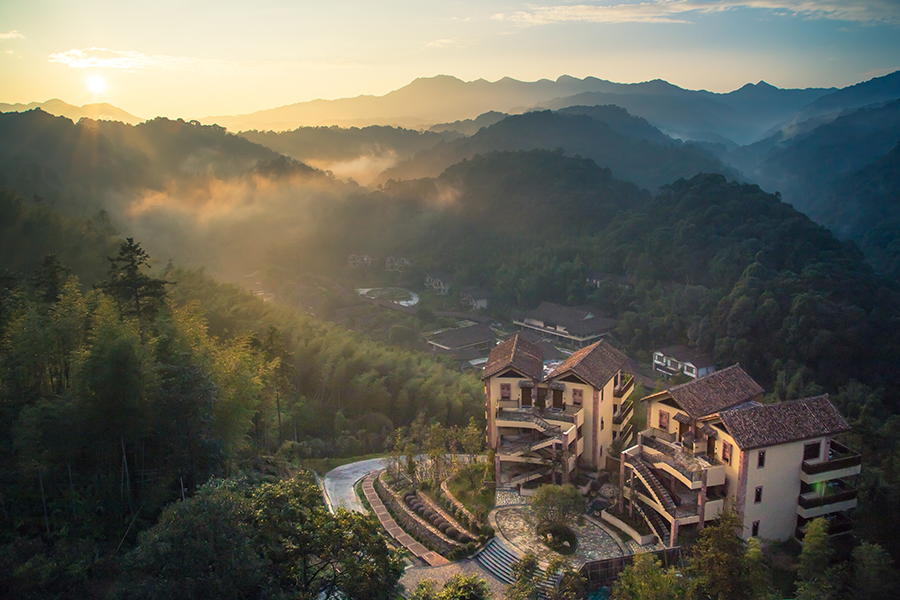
x,y
205,59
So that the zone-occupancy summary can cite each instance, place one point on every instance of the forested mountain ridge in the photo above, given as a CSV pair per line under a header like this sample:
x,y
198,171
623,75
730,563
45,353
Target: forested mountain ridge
x,y
75,165
827,172
360,153
97,111
738,117
631,150
742,114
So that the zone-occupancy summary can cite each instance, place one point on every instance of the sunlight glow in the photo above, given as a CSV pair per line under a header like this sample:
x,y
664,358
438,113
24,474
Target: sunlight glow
x,y
97,84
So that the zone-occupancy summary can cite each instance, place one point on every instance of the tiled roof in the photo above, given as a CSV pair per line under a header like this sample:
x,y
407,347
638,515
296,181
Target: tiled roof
x,y
714,392
518,354
784,422
596,364
464,336
684,354
579,320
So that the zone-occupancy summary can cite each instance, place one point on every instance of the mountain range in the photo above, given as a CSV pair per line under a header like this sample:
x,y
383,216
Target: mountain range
x,y
443,98
100,111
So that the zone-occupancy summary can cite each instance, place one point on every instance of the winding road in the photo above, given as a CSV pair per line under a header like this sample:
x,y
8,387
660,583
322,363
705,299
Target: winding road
x,y
339,483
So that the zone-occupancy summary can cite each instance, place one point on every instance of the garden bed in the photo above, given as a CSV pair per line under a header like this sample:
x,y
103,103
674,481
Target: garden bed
x,y
418,528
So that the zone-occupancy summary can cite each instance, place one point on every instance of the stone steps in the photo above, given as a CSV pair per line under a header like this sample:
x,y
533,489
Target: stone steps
x,y
496,559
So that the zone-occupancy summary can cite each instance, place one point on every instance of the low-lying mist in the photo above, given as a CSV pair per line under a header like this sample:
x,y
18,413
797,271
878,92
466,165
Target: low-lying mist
x,y
234,226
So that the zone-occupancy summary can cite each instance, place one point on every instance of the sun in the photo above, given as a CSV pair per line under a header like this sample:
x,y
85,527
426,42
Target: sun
x,y
97,84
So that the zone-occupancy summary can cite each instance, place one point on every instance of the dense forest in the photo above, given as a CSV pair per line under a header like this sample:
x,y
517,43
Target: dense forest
x,y
119,399
129,380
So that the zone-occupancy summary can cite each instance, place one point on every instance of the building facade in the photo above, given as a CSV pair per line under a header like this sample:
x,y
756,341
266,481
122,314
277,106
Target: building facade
x,y
545,421
675,360
711,443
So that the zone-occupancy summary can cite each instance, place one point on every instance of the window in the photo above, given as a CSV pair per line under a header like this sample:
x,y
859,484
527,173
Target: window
x,y
757,497
602,425
812,451
761,459
663,420
505,391
754,530
577,396
726,452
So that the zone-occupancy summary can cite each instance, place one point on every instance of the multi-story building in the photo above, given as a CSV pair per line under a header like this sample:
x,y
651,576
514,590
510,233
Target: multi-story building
x,y
573,327
711,444
544,421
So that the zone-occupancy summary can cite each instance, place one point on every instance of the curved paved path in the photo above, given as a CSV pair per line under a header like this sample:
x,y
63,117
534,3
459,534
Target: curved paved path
x,y
339,483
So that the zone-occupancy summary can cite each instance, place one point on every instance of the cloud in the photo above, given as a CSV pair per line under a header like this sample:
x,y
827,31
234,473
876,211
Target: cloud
x,y
681,11
11,35
132,60
444,43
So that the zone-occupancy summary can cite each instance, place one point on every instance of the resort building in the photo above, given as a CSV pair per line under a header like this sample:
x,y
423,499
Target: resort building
x,y
675,360
711,443
575,327
546,420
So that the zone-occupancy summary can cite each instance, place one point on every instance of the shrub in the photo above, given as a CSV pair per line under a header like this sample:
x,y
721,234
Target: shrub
x,y
555,537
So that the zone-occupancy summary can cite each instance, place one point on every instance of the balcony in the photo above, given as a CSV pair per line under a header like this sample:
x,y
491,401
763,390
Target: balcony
x,y
625,387
687,468
841,462
568,414
624,412
825,498
837,524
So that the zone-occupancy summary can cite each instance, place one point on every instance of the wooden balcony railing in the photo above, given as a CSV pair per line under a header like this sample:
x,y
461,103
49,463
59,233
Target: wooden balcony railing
x,y
840,457
624,411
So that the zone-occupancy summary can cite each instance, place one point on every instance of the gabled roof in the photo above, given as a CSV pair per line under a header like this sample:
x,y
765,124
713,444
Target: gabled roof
x,y
463,337
596,364
715,392
477,293
580,320
785,422
523,356
683,354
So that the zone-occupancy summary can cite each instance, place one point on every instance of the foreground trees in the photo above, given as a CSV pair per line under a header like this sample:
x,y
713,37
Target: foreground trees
x,y
278,540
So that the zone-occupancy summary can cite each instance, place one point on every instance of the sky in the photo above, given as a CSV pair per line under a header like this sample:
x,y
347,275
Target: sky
x,y
193,59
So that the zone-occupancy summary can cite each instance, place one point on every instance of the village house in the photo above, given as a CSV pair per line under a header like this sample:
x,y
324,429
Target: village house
x,y
673,360
544,421
711,443
439,282
475,298
571,326
359,261
397,264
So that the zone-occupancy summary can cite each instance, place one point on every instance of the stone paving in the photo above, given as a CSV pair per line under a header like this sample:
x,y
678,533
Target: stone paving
x,y
432,558
508,497
595,542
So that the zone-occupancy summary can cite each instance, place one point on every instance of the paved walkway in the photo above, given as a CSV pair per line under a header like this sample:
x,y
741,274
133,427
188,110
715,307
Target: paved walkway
x,y
339,483
514,527
432,558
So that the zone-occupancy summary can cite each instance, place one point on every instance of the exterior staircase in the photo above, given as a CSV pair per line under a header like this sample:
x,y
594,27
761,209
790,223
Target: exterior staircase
x,y
526,477
656,522
497,560
659,493
522,448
